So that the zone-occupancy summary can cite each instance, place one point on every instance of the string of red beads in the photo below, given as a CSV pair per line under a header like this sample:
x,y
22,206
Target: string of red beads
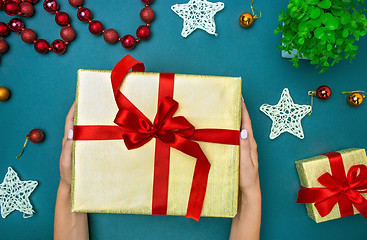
x,y
12,7
110,35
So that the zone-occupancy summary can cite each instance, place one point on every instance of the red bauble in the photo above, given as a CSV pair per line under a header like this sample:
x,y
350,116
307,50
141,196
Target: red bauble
x,y
31,1
51,6
28,35
41,46
36,135
128,42
26,9
17,1
11,8
16,25
76,3
62,18
95,27
143,32
323,92
1,4
58,46
84,14
68,34
110,36
147,14
3,46
147,1
4,30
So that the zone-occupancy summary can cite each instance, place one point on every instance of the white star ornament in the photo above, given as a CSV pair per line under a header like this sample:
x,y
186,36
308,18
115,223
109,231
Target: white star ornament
x,y
286,116
197,14
14,195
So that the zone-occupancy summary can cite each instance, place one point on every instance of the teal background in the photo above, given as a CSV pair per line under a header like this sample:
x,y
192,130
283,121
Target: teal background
x,y
43,89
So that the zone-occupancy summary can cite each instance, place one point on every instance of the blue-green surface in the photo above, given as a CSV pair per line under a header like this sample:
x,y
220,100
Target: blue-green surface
x,y
43,89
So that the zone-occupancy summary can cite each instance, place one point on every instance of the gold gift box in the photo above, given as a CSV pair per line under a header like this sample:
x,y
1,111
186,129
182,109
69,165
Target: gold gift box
x,y
109,178
309,170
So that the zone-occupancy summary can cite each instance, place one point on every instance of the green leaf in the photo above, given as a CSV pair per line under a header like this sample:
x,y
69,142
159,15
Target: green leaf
x,y
345,33
301,41
332,23
282,11
312,2
325,4
339,41
337,11
315,12
319,32
345,19
303,27
295,12
329,47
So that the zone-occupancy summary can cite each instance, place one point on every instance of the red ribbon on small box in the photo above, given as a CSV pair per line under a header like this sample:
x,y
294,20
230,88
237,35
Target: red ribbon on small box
x,y
170,131
339,188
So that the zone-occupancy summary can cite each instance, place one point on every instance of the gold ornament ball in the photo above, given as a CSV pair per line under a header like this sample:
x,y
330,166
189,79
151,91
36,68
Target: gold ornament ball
x,y
4,93
247,19
355,99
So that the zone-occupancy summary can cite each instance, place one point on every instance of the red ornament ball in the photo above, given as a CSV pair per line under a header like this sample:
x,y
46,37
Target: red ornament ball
x,y
147,14
51,6
84,14
143,32
4,30
147,1
62,18
16,25
3,46
323,92
128,42
41,46
58,46
36,135
28,35
11,8
95,27
110,36
26,9
1,4
17,1
31,1
76,3
68,34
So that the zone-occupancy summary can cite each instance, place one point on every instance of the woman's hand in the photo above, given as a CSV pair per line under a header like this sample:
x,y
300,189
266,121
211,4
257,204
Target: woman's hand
x,y
246,224
67,148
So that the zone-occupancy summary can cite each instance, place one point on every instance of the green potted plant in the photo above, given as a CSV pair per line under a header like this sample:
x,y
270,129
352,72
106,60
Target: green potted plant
x,y
324,31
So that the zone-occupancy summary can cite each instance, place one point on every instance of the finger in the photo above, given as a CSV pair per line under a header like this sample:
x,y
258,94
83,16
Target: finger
x,y
246,124
245,149
69,121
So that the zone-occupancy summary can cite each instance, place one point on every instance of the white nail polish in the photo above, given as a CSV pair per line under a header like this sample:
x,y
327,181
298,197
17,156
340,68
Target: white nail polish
x,y
70,134
244,134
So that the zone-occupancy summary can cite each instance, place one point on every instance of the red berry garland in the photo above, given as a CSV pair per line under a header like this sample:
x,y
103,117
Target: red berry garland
x,y
110,35
25,8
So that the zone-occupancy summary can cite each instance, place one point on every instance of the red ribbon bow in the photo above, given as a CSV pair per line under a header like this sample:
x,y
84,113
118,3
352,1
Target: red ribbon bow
x,y
176,132
345,190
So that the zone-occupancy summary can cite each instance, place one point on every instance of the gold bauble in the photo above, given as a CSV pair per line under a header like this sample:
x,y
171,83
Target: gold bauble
x,y
355,99
4,93
247,19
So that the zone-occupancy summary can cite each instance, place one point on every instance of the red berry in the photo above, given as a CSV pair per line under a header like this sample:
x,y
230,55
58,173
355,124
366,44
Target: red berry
x,y
36,135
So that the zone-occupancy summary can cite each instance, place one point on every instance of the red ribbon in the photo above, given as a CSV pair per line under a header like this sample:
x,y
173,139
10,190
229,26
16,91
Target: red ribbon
x,y
339,188
170,131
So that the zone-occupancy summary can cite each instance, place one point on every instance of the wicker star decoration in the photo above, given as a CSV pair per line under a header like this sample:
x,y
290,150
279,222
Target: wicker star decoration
x,y
198,14
14,195
286,116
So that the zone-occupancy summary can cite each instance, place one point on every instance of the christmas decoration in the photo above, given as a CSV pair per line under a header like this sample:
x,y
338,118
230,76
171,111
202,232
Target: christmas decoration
x,y
247,19
16,25
4,93
323,31
14,195
286,116
198,14
145,130
323,92
35,136
355,98
334,184
110,35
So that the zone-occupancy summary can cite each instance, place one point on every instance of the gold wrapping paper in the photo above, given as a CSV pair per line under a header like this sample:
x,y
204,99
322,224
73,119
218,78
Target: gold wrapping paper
x,y
309,170
109,178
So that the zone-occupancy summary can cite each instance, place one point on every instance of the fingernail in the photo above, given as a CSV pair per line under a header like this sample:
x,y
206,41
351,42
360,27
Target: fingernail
x,y
244,134
242,97
70,134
